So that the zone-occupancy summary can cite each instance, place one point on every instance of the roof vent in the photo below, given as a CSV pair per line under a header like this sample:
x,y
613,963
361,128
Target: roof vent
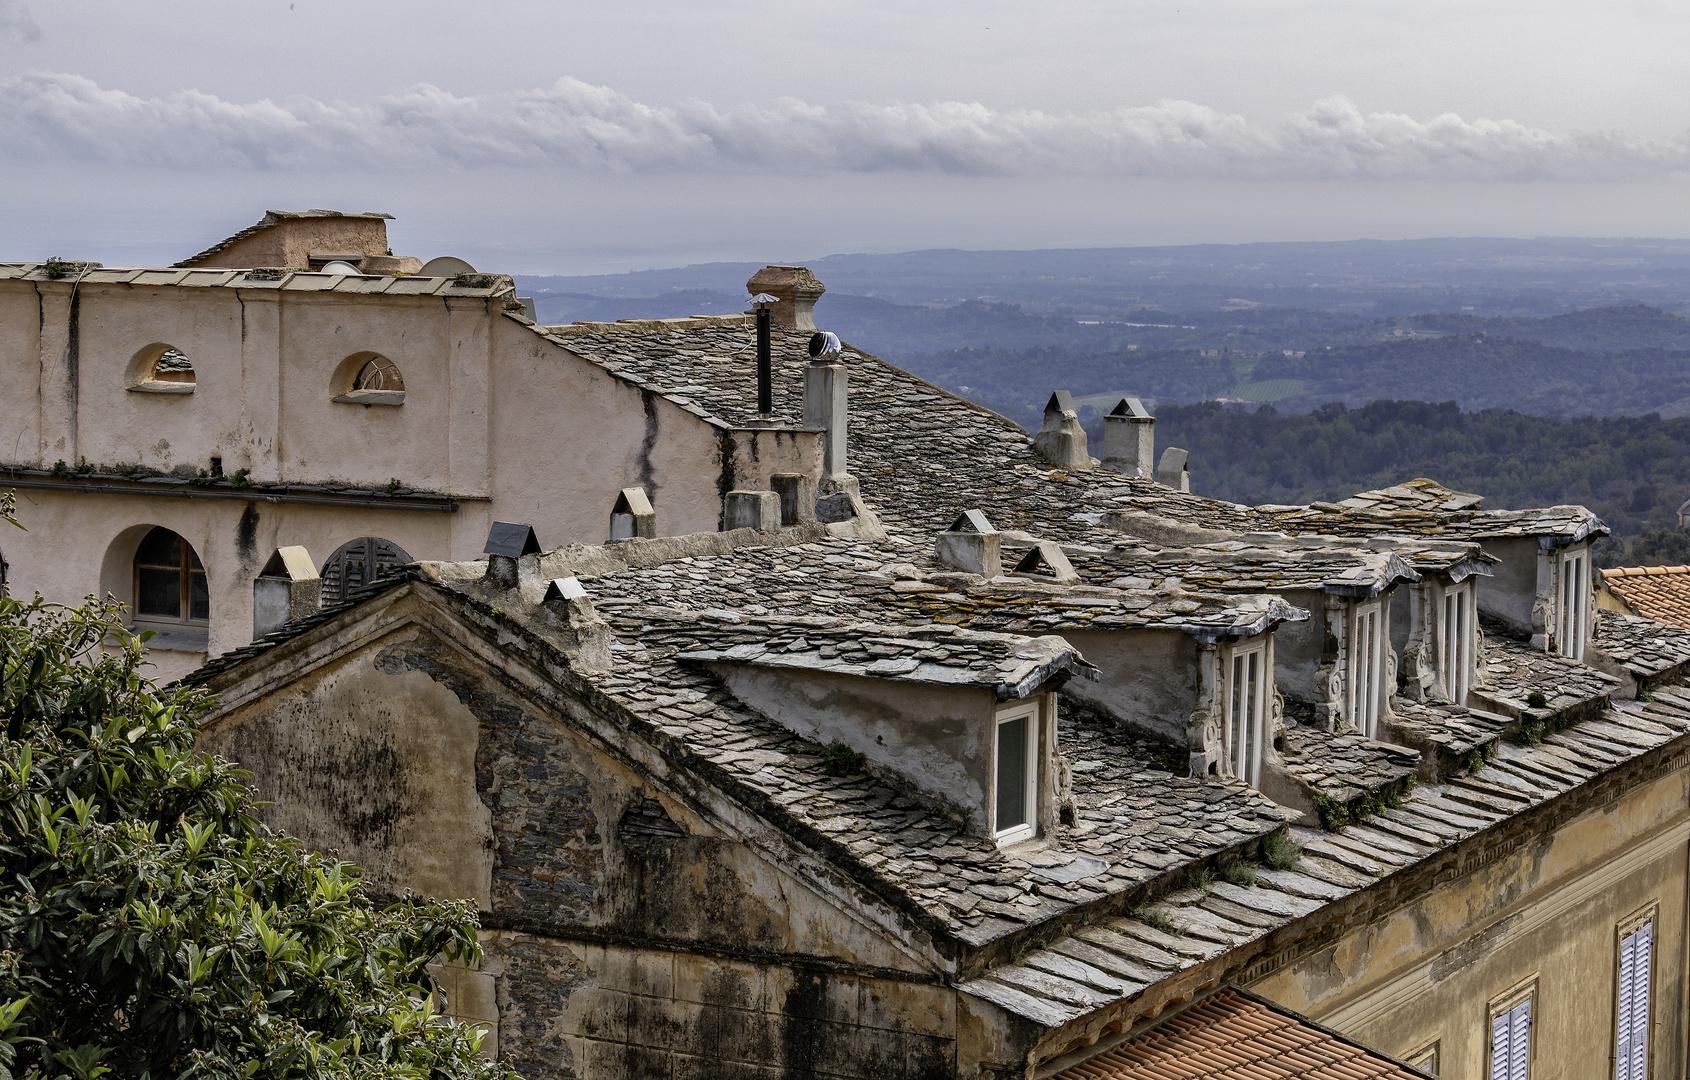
x,y
1129,440
1173,471
1061,440
1047,560
506,543
971,545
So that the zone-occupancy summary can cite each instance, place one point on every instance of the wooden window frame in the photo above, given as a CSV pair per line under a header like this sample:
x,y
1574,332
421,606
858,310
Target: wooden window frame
x,y
1647,915
185,587
1034,715
1507,1002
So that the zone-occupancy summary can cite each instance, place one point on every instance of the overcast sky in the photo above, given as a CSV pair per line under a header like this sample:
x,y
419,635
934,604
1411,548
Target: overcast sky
x,y
592,137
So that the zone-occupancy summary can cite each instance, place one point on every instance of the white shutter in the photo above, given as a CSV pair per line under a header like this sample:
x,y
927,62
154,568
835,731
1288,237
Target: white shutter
x,y
1640,1001
1499,1028
1622,1009
1519,1039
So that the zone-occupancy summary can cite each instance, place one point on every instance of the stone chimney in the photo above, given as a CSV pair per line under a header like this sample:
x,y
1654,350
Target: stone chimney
x,y
972,545
795,290
1129,440
288,588
632,516
1061,440
513,552
1172,471
586,636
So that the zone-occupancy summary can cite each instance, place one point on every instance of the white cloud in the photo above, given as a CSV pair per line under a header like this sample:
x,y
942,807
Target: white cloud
x,y
572,125
16,21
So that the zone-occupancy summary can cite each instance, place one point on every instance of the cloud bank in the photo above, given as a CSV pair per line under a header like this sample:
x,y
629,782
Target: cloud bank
x,y
572,125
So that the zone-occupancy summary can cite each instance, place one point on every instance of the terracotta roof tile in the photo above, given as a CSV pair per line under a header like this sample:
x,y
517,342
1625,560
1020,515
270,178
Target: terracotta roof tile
x,y
1661,593
1233,1035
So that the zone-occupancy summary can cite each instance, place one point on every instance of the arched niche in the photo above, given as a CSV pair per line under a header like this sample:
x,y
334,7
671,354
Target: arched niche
x,y
160,368
359,562
368,378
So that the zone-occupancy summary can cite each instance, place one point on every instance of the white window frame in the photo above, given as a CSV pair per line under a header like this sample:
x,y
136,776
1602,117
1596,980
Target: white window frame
x,y
1458,640
1243,720
1028,829
1427,1057
1366,672
1511,1033
1573,604
1636,946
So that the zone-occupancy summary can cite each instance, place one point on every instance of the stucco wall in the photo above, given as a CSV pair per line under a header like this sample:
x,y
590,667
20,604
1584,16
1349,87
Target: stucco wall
x,y
1300,649
291,241
1510,591
1148,678
1549,908
630,931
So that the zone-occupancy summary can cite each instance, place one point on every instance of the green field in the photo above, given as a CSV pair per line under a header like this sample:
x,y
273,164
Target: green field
x,y
1268,390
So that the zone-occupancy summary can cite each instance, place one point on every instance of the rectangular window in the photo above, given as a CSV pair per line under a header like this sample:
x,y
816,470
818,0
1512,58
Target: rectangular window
x,y
1014,798
1631,1012
1426,1058
1575,587
1457,638
1246,695
1366,669
1510,1050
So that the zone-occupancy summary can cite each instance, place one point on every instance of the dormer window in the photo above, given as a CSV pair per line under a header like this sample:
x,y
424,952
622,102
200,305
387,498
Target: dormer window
x,y
161,369
369,378
1365,675
1572,618
1015,790
1248,684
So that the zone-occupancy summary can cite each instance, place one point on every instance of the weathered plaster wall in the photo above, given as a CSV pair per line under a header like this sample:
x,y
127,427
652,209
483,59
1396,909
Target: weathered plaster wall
x,y
1548,907
1148,678
1511,590
630,932
79,544
20,374
1302,649
939,737
291,241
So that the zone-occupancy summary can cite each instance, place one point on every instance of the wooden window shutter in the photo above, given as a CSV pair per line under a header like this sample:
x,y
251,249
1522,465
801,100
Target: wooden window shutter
x,y
358,563
1631,1037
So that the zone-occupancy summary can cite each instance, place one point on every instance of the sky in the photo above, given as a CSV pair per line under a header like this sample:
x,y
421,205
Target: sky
x,y
569,138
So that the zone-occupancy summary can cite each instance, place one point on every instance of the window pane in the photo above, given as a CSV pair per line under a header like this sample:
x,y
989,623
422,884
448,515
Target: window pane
x,y
160,548
199,599
1235,722
1012,773
1251,724
159,593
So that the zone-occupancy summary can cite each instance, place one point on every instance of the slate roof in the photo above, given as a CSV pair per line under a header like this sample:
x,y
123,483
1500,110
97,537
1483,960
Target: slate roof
x,y
1649,650
1114,960
483,285
1661,593
1230,1035
1266,564
270,218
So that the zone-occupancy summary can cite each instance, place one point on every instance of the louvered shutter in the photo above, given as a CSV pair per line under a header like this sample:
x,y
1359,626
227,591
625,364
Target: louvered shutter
x,y
1499,1047
357,563
1631,1037
1519,1039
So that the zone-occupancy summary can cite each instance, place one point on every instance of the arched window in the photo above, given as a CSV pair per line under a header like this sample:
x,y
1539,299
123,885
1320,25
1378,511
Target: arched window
x,y
169,581
358,563
161,369
368,378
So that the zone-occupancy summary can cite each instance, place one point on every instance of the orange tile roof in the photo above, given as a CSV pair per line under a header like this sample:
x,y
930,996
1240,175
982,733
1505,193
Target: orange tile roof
x,y
1661,593
1233,1036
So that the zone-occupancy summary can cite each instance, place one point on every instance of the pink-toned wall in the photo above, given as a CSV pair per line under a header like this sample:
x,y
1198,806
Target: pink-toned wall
x,y
291,241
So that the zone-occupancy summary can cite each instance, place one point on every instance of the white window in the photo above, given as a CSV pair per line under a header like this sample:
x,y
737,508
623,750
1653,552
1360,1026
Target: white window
x,y
1015,790
1366,668
1457,638
1575,589
1631,1042
1246,693
1511,1036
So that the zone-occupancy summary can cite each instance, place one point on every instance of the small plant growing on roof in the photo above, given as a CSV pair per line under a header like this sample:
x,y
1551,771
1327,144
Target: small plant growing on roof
x,y
1530,733
1537,700
1334,813
1280,851
61,470
1157,919
393,485
1197,878
56,268
840,760
242,478
1239,873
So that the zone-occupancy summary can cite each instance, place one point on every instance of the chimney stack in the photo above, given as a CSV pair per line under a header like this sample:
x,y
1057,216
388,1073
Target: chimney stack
x,y
1061,440
586,636
1129,440
795,290
507,545
288,588
972,545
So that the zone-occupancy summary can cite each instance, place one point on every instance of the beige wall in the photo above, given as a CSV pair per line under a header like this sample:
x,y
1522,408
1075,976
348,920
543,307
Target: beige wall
x,y
291,241
1549,910
492,411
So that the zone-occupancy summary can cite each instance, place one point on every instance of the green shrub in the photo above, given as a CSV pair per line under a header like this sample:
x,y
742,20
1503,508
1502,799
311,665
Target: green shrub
x,y
1240,873
1281,852
840,760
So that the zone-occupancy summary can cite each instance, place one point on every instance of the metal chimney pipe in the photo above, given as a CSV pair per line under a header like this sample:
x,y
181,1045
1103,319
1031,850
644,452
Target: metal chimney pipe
x,y
765,369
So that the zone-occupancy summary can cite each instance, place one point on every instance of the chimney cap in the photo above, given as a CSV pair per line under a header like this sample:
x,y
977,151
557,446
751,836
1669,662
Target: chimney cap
x,y
765,298
824,343
1130,406
971,521
632,500
564,588
512,540
292,562
1061,401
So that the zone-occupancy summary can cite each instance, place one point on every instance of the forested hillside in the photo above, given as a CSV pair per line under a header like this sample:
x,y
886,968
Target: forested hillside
x,y
1633,472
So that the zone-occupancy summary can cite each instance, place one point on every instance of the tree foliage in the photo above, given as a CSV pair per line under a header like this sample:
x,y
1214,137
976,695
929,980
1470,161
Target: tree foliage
x,y
150,926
